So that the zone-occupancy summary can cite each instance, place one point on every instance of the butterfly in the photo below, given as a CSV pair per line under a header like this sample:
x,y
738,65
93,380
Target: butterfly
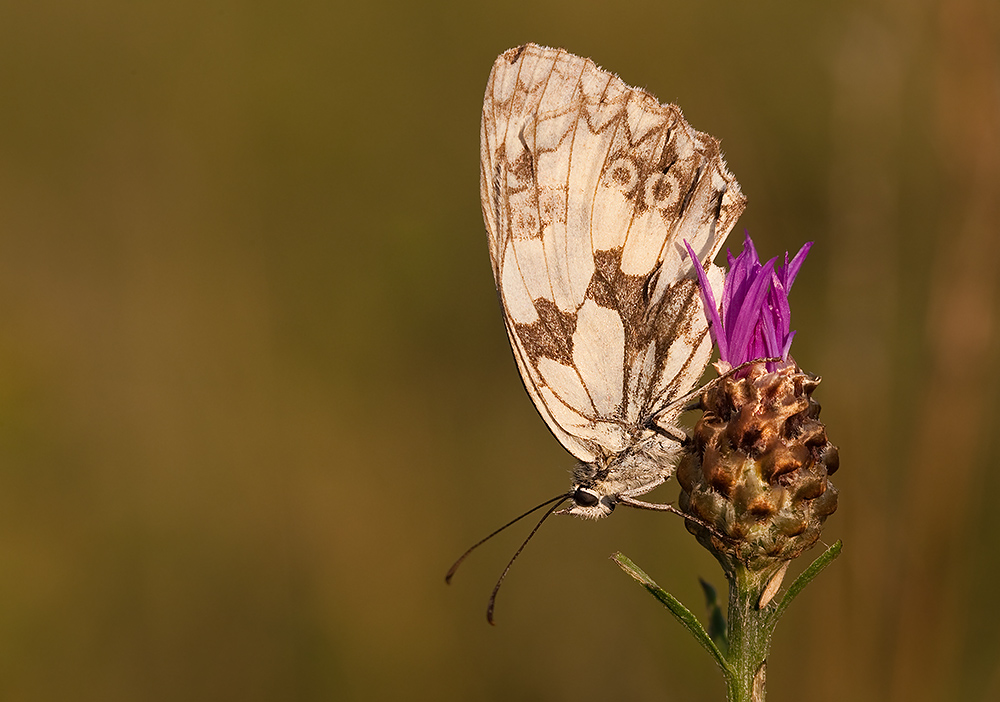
x,y
589,189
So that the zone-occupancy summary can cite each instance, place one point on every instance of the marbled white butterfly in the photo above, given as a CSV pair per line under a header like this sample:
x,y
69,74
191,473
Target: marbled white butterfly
x,y
589,190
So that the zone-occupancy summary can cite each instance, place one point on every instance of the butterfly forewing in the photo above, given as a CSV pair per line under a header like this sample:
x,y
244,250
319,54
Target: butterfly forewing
x,y
589,188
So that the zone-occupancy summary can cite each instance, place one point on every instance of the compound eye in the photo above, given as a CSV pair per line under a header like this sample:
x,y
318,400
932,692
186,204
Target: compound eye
x,y
585,498
608,503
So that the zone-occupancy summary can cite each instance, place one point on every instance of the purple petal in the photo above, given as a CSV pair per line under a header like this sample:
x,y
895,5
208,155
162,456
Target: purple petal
x,y
738,281
792,269
742,272
758,347
748,244
708,299
770,332
748,314
781,312
788,346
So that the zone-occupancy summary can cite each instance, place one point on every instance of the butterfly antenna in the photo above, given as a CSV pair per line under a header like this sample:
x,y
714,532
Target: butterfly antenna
x,y
548,513
451,571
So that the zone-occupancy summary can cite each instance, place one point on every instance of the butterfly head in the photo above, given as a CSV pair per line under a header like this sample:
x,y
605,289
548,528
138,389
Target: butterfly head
x,y
589,503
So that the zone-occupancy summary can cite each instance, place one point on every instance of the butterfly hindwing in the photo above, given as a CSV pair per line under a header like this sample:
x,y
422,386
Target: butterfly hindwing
x,y
589,188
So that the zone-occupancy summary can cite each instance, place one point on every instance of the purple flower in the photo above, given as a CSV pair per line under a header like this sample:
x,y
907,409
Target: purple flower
x,y
755,316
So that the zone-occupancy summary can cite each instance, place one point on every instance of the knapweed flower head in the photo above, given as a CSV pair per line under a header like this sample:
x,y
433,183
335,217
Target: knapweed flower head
x,y
755,471
755,319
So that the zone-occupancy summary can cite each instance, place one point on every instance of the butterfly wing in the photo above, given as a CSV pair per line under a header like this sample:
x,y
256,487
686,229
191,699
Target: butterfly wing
x,y
589,188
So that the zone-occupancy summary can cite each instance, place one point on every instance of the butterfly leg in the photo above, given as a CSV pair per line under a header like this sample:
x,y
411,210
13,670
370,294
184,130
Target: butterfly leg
x,y
664,507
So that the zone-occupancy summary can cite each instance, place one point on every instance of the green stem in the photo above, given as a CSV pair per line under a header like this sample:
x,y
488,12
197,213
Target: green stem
x,y
750,632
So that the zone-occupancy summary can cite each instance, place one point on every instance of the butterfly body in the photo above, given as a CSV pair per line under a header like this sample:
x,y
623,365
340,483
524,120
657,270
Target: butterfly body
x,y
589,190
644,465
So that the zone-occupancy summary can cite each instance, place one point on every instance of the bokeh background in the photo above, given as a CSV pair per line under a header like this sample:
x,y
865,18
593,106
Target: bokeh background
x,y
256,396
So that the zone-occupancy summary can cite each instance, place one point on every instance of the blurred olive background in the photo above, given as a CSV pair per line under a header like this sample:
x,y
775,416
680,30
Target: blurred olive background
x,y
256,396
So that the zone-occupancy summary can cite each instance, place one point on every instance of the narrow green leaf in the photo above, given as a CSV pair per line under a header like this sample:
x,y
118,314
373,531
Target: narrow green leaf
x,y
717,629
680,612
807,576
